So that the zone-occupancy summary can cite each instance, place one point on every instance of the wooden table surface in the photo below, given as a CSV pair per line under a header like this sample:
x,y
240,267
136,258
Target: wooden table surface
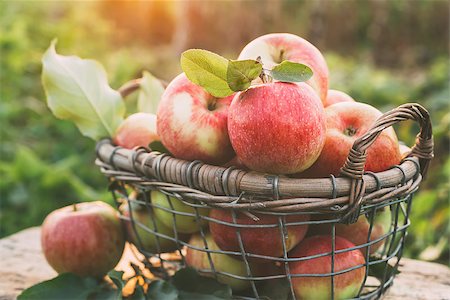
x,y
22,264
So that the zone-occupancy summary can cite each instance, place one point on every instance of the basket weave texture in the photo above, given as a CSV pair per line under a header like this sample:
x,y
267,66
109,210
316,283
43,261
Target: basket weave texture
x,y
345,198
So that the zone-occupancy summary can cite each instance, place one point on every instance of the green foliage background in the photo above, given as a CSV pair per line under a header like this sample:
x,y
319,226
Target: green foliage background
x,y
384,53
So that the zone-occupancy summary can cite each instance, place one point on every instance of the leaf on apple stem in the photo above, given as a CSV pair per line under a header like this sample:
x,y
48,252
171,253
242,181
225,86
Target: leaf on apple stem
x,y
288,71
207,69
77,90
150,93
241,73
158,146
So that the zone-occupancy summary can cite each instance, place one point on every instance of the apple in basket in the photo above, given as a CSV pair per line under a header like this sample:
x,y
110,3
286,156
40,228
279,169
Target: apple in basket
x,y
221,262
138,129
335,96
346,285
192,123
183,218
277,127
140,235
276,47
346,122
84,238
266,240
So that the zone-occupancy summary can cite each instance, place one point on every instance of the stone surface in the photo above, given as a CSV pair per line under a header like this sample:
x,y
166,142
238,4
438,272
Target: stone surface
x,y
22,264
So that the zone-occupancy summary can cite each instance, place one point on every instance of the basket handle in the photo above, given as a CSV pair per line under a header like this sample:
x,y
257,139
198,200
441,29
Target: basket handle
x,y
354,165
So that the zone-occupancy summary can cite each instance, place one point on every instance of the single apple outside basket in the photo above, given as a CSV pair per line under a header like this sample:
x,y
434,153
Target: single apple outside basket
x,y
230,200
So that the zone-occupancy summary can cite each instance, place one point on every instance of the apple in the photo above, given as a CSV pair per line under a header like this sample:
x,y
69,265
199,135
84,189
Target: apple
x,y
276,47
235,162
138,129
404,151
192,123
346,285
222,263
277,127
84,238
358,232
184,223
262,241
149,240
347,121
335,96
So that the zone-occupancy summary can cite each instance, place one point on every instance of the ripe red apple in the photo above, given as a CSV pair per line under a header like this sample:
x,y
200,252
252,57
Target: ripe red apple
x,y
335,96
184,223
223,263
235,162
84,238
192,124
138,129
262,241
149,241
346,285
277,47
277,127
347,121
358,232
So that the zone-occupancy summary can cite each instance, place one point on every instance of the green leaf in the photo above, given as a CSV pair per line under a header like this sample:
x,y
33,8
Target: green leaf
x,y
64,286
162,290
289,71
241,73
77,90
116,278
150,93
158,146
194,286
208,70
138,294
378,270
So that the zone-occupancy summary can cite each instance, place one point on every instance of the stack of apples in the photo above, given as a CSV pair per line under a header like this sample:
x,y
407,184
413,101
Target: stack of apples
x,y
302,130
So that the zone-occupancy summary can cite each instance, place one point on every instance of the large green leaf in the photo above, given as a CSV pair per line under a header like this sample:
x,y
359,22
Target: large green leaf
x,y
241,73
192,286
162,290
77,90
64,286
207,69
289,71
150,93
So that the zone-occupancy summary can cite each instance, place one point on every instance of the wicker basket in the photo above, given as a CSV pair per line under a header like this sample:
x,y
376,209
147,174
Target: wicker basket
x,y
133,174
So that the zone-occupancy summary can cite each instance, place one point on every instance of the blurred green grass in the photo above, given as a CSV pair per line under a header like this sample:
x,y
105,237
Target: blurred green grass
x,y
45,163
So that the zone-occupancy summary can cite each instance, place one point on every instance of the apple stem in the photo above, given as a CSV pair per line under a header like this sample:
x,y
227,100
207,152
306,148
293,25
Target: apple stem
x,y
75,207
265,76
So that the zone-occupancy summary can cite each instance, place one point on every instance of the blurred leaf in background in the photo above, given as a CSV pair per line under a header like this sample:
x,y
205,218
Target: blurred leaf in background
x,y
385,53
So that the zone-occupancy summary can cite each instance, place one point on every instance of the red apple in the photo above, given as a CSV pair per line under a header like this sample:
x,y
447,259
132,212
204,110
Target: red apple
x,y
138,129
346,285
347,121
404,150
85,239
358,232
192,124
277,47
335,96
262,241
223,263
235,162
277,127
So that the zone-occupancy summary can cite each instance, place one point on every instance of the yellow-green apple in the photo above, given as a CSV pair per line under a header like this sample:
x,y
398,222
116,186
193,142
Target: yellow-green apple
x,y
84,238
358,232
347,121
138,129
277,127
184,223
261,241
345,285
148,241
276,47
192,123
404,150
222,263
335,96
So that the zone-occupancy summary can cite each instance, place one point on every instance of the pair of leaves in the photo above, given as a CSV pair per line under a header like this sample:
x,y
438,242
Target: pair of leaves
x,y
74,287
77,90
222,77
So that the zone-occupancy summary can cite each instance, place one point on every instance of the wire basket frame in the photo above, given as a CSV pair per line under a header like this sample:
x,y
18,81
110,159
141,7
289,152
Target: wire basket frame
x,y
136,175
